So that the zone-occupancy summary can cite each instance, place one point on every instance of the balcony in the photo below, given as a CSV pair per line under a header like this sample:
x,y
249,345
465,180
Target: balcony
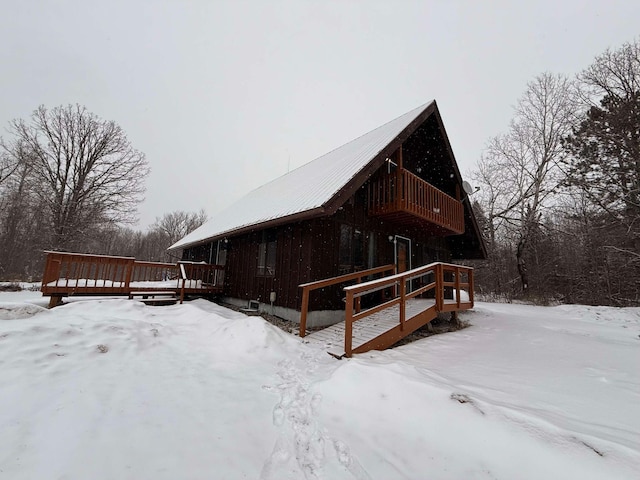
x,y
405,197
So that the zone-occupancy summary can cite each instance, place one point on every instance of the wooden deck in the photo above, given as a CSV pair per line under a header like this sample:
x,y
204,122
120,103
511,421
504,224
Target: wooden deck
x,y
399,312
78,274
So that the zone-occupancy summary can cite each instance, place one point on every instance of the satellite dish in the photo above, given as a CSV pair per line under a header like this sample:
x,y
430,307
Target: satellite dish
x,y
468,189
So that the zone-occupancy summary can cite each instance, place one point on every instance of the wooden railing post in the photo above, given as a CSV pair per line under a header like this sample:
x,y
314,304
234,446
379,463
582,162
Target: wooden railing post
x,y
457,287
439,287
348,325
183,274
128,273
403,301
303,312
51,269
471,286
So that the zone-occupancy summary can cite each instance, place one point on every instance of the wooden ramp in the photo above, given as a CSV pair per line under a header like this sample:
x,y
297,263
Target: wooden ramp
x,y
374,331
402,308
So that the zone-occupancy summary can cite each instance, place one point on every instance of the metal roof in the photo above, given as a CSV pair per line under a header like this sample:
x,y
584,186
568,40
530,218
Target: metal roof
x,y
304,189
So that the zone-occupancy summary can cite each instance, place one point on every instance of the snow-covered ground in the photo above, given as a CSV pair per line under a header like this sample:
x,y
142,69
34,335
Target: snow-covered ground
x,y
115,389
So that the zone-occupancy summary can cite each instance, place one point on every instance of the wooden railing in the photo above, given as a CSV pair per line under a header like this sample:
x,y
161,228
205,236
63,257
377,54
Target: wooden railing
x,y
84,274
64,272
193,274
307,288
153,272
404,192
445,283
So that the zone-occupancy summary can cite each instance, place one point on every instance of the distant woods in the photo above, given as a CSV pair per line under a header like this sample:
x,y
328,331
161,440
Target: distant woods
x,y
559,204
71,181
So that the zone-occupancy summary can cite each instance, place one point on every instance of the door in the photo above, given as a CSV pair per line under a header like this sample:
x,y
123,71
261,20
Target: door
x,y
402,253
403,257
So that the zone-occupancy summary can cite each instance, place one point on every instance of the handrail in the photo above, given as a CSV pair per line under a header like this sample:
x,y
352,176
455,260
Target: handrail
x,y
308,287
438,285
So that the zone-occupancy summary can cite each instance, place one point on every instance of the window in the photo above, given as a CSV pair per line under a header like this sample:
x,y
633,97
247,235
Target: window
x,y
351,250
267,255
346,241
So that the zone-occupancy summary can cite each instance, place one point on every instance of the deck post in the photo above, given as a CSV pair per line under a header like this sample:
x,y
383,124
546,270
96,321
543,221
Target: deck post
x,y
439,287
455,319
348,325
183,275
403,302
128,274
457,274
303,312
471,288
55,300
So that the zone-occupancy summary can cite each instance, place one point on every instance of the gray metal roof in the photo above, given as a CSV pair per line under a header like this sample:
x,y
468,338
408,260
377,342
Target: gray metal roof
x,y
306,188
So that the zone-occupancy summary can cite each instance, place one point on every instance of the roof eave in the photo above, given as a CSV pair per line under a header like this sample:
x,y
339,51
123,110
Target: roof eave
x,y
296,217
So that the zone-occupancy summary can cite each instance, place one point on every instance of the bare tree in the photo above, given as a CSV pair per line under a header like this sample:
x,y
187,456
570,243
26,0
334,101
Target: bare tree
x,y
614,74
519,172
175,225
22,226
8,165
86,170
561,189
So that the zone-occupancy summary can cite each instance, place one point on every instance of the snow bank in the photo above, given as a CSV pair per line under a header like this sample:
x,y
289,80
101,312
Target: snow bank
x,y
116,389
13,311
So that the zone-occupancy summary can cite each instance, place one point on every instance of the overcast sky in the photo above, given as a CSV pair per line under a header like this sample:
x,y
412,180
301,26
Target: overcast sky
x,y
223,96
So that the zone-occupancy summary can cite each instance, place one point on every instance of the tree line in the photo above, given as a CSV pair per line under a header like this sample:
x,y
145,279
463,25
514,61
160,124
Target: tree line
x,y
558,206
71,181
559,199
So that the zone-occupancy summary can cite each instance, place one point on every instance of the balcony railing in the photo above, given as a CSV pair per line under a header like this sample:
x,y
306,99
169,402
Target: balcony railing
x,y
402,193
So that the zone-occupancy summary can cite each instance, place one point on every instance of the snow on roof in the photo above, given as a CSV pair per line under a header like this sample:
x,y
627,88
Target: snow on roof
x,y
305,188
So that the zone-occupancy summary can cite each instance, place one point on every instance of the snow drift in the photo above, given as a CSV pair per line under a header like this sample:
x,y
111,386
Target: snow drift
x,y
115,389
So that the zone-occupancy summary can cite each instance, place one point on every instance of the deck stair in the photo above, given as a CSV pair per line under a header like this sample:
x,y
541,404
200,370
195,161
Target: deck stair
x,y
409,301
163,297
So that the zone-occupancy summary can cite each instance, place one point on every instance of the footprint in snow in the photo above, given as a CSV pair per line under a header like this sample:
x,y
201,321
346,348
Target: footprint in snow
x,y
301,437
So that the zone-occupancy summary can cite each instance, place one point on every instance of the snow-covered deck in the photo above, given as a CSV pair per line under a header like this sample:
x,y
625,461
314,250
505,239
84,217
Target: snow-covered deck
x,y
69,274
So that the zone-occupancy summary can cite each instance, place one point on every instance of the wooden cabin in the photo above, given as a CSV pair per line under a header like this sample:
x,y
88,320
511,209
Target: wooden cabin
x,y
392,196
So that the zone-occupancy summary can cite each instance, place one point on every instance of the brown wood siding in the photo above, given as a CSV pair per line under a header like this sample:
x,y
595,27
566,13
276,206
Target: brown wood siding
x,y
294,265
308,251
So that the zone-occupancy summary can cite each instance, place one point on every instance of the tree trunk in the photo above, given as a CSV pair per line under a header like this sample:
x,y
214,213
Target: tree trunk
x,y
522,266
